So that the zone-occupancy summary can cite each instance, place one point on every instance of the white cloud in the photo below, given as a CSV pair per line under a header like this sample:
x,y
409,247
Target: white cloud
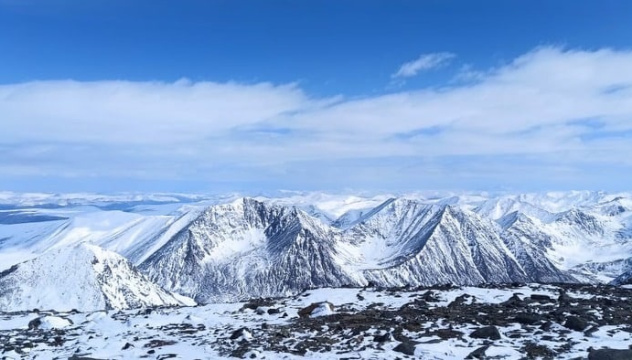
x,y
129,112
423,63
543,105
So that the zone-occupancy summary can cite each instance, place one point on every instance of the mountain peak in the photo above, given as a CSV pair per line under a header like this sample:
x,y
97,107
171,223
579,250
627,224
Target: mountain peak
x,y
80,276
513,218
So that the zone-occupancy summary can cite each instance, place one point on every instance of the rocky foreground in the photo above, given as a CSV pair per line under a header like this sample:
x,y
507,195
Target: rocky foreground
x,y
495,322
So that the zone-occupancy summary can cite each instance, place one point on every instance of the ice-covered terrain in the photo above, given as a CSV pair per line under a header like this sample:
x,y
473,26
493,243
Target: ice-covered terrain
x,y
269,247
80,277
226,248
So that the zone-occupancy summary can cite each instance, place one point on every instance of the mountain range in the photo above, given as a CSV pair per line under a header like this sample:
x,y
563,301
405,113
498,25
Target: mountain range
x,y
166,250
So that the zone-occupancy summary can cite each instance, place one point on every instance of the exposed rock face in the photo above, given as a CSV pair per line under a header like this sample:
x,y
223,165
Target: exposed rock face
x,y
451,246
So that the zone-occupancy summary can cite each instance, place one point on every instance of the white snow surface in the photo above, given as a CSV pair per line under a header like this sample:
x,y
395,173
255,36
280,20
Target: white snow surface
x,y
134,233
54,322
83,277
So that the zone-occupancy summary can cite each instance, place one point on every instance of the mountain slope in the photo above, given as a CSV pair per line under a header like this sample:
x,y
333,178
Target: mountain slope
x,y
453,246
623,279
134,233
247,248
82,277
529,245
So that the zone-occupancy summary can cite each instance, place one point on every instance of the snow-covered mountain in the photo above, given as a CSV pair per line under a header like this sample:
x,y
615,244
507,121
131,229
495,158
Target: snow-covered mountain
x,y
227,248
134,232
82,277
261,248
441,245
248,248
526,240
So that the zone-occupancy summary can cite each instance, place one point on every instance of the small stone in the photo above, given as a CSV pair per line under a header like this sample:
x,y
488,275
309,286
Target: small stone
x,y
35,323
546,326
260,311
575,323
159,343
308,311
407,348
591,330
610,354
57,341
541,298
487,332
478,353
514,301
241,333
527,319
383,338
273,311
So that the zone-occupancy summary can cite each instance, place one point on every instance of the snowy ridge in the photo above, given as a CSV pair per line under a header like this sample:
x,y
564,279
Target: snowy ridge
x,y
250,248
83,277
247,248
135,233
228,248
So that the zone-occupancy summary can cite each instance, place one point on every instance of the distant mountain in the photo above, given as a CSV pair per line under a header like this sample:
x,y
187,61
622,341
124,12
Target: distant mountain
x,y
442,244
623,279
529,244
134,233
248,248
231,248
82,277
251,248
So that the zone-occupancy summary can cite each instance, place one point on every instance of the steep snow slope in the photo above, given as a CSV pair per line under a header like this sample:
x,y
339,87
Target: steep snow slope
x,y
529,244
452,246
497,208
579,237
247,248
135,233
387,234
83,277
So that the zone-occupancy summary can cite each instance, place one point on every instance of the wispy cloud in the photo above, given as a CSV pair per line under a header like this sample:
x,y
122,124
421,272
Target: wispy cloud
x,y
423,63
524,116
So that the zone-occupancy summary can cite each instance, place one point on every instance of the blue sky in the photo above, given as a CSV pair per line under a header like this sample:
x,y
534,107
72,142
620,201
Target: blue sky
x,y
115,95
